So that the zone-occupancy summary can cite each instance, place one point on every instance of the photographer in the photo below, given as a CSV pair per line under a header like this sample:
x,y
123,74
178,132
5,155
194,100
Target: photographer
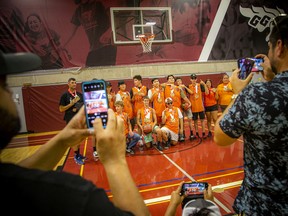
x,y
259,113
192,207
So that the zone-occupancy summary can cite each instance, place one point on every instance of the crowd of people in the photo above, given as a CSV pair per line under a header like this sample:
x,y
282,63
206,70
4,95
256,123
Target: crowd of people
x,y
165,107
256,111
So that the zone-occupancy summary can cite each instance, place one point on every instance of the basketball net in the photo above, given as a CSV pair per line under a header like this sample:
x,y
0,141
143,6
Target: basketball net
x,y
146,41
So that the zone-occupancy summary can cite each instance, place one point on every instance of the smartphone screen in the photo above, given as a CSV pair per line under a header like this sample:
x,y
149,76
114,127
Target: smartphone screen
x,y
194,189
246,65
257,65
95,101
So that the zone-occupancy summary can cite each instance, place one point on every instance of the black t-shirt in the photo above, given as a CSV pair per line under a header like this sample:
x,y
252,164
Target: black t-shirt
x,y
65,99
36,192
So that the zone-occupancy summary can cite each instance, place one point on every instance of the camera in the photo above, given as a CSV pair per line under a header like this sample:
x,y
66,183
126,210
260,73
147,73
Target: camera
x,y
193,190
95,101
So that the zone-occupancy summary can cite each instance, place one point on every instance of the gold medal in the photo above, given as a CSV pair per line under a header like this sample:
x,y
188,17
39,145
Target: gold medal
x,y
146,120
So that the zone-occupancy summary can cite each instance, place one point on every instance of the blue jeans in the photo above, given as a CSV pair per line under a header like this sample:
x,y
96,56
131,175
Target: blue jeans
x,y
133,140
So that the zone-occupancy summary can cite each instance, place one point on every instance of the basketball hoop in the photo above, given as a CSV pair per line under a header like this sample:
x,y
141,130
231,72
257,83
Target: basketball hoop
x,y
146,41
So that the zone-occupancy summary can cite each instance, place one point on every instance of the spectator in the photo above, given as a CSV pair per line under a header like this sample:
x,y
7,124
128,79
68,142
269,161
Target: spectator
x,y
37,189
225,92
259,113
211,106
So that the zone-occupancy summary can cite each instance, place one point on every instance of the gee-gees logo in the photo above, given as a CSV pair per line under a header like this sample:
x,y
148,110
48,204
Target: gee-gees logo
x,y
260,17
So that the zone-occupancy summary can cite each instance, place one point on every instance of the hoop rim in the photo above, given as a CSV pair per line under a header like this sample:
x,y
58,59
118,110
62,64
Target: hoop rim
x,y
147,35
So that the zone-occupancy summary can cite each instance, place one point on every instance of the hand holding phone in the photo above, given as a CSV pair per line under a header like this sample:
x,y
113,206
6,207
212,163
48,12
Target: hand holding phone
x,y
95,101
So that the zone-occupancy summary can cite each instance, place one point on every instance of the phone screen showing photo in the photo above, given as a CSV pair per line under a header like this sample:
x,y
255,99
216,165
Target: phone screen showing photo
x,y
95,101
194,189
246,66
257,65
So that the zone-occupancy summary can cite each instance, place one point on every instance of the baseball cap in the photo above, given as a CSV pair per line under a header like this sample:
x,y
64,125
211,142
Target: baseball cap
x,y
169,99
12,63
193,76
121,82
198,204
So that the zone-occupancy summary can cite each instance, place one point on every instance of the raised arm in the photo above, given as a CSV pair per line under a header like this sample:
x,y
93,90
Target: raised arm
x,y
49,154
111,144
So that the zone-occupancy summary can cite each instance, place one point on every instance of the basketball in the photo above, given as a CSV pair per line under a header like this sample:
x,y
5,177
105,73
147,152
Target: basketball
x,y
147,128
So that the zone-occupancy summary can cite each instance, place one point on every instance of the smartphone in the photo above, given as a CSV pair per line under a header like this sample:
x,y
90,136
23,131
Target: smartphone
x,y
194,190
246,65
257,65
95,101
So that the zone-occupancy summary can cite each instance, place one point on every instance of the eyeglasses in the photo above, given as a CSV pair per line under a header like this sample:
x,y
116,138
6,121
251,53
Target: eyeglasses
x,y
169,103
275,23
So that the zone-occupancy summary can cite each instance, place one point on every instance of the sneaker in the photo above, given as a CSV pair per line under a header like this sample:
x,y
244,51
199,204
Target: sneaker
x,y
181,138
141,148
95,156
82,157
78,160
130,151
197,135
167,145
192,137
209,134
204,136
159,147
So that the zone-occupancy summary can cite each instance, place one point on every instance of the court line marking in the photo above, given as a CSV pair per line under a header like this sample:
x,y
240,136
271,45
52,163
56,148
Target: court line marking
x,y
214,30
162,199
226,209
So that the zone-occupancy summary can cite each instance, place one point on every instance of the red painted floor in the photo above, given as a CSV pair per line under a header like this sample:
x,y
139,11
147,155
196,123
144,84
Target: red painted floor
x,y
157,174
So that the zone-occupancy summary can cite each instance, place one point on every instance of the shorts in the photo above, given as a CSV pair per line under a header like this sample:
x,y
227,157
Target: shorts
x,y
188,113
200,114
211,108
174,136
148,138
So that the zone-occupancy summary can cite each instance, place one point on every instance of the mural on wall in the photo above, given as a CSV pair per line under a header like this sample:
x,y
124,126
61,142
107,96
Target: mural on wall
x,y
78,33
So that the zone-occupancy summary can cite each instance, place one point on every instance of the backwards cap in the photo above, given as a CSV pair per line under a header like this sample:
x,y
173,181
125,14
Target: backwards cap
x,y
12,63
197,204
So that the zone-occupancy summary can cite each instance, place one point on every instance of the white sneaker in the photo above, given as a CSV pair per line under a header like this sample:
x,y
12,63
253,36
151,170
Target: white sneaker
x,y
95,156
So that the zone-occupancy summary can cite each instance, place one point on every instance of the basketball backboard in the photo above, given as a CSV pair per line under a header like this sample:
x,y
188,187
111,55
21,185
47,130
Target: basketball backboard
x,y
129,22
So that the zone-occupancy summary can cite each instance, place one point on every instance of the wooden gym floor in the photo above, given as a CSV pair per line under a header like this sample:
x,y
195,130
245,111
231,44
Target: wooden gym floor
x,y
156,173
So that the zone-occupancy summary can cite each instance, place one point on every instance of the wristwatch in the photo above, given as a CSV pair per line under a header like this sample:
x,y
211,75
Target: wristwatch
x,y
234,96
